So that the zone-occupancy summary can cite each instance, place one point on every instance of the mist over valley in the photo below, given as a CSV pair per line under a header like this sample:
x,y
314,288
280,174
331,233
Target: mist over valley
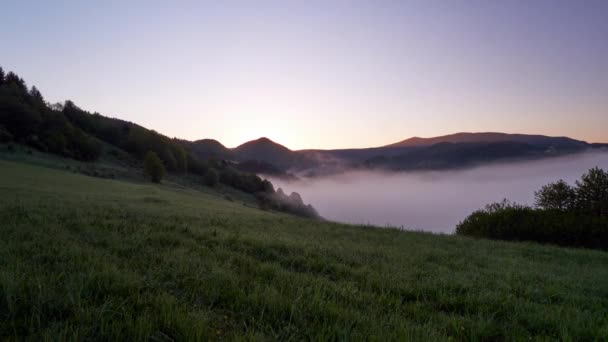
x,y
434,201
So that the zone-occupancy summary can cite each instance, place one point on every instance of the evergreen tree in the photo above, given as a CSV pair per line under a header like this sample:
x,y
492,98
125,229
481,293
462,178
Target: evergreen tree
x,y
2,76
12,79
35,93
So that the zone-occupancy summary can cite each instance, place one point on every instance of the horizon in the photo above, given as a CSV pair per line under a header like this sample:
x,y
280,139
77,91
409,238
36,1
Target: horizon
x,y
318,75
386,145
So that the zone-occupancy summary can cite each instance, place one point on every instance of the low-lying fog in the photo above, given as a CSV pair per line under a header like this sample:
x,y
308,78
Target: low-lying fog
x,y
434,200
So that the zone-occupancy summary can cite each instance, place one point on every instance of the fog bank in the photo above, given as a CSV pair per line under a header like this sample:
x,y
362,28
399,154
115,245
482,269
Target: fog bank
x,y
434,200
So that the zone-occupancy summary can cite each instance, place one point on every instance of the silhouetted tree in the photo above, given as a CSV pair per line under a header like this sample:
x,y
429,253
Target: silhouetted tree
x,y
35,93
592,192
558,195
268,187
2,75
13,79
153,167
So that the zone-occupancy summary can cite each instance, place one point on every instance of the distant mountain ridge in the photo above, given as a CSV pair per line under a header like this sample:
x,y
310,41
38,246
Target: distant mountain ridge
x,y
487,137
444,152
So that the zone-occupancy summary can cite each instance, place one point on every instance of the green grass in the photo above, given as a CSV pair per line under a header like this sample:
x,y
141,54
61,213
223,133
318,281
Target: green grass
x,y
88,258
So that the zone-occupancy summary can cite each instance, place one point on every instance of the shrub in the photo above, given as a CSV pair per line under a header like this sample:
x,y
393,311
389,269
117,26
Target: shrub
x,y
564,228
153,167
563,215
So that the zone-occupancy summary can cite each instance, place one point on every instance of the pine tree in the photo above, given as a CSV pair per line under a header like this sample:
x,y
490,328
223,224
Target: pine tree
x,y
12,78
2,76
37,97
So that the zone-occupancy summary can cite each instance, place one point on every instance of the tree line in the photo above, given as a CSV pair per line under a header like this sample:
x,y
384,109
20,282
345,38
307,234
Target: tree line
x,y
562,214
26,118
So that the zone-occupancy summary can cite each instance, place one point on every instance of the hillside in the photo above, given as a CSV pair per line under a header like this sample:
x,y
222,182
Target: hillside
x,y
269,151
454,151
86,258
66,130
448,155
490,137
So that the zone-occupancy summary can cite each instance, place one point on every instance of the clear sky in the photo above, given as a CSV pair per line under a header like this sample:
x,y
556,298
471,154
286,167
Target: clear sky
x,y
320,74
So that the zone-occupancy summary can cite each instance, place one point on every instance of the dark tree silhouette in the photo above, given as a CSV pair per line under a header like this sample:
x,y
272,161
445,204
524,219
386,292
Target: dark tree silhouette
x,y
592,192
558,195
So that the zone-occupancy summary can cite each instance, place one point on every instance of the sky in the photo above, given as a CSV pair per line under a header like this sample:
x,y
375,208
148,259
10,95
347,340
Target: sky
x,y
320,74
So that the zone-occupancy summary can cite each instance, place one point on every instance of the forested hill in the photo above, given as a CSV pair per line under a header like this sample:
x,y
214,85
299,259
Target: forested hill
x,y
65,129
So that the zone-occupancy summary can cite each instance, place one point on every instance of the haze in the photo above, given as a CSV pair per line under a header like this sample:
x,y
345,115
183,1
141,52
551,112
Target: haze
x,y
434,201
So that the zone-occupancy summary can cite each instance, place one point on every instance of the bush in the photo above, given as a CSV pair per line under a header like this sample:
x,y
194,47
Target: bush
x,y
518,223
153,167
564,215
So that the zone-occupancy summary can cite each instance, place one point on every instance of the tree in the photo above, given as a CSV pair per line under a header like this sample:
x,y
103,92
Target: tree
x,y
37,97
181,158
592,192
153,167
268,187
557,196
13,79
211,178
2,75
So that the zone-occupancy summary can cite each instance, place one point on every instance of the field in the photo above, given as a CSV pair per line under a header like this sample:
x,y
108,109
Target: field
x,y
84,258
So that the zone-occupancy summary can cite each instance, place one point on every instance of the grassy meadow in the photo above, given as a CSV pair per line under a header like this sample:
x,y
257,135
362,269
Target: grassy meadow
x,y
85,258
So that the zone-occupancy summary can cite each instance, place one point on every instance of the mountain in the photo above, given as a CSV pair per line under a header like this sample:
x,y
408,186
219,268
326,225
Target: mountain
x,y
208,149
266,150
447,155
490,137
443,152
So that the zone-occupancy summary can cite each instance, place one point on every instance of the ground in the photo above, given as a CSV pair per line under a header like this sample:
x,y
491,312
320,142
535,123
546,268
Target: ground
x,y
105,259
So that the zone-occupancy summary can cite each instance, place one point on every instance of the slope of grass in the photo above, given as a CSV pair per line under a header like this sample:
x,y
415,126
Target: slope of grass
x,y
89,258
